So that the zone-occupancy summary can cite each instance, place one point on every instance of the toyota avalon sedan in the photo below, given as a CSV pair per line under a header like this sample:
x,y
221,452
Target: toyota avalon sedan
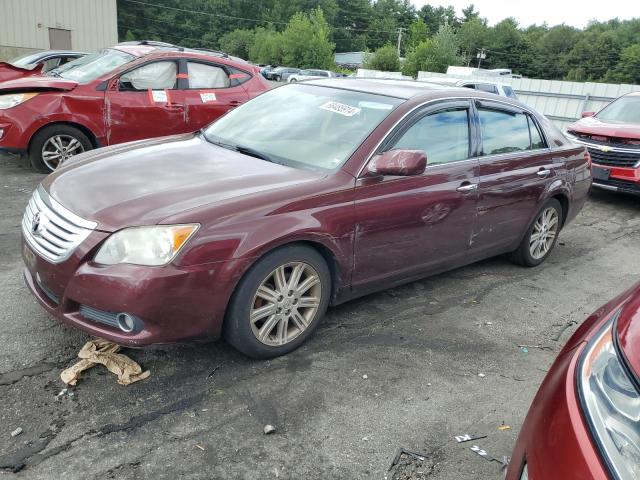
x,y
585,420
306,196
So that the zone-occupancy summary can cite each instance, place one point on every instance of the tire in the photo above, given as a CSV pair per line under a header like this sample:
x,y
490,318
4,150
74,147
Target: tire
x,y
527,254
274,317
67,135
292,80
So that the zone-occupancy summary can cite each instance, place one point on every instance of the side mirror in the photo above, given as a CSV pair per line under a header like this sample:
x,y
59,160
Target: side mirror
x,y
588,114
399,163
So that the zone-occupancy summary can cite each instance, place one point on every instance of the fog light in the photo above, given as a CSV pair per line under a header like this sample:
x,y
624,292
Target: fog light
x,y
126,322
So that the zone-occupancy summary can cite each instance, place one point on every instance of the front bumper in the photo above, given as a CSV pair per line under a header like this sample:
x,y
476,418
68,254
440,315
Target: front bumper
x,y
554,442
624,180
174,304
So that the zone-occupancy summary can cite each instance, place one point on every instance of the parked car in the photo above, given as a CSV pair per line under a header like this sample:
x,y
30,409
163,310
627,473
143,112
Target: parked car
x,y
612,137
123,93
281,73
251,227
584,422
266,70
303,75
488,86
37,63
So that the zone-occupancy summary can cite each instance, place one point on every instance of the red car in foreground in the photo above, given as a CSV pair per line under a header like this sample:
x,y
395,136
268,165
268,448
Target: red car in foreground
x,y
612,137
584,423
308,195
123,93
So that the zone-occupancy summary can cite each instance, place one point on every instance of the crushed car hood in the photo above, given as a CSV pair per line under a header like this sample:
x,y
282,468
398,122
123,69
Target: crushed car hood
x,y
37,84
594,126
142,183
628,327
9,71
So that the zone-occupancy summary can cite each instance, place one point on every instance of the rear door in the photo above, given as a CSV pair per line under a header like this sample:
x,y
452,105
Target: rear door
x,y
144,102
516,168
411,225
211,90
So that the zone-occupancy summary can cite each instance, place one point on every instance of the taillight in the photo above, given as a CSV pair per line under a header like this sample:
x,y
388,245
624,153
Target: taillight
x,y
587,157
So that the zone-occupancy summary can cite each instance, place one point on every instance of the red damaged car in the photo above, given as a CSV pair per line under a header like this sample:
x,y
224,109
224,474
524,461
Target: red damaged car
x,y
612,137
123,93
584,423
308,195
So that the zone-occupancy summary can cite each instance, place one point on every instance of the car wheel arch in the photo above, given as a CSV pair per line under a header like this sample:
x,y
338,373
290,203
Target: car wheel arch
x,y
87,131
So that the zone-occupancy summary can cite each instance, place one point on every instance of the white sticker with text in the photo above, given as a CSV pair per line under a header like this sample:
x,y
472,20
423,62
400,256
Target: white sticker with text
x,y
208,97
340,108
159,96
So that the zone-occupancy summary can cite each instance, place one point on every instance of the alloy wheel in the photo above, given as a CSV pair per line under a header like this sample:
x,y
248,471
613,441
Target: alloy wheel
x,y
285,303
58,148
544,233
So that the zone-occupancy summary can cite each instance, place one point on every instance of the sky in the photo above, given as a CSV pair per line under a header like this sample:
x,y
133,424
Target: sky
x,y
576,13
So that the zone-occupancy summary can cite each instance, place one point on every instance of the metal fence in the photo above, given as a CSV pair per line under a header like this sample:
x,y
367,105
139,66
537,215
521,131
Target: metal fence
x,y
563,102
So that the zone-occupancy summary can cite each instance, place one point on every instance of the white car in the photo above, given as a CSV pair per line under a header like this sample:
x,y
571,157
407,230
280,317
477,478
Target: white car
x,y
311,75
501,89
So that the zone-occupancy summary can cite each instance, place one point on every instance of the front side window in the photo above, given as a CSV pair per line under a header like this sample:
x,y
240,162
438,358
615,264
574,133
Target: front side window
x,y
508,91
486,87
443,136
503,131
202,75
155,76
302,125
536,139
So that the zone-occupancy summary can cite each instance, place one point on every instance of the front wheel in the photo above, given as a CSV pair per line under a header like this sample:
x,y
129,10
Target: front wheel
x,y
541,236
278,303
55,144
292,80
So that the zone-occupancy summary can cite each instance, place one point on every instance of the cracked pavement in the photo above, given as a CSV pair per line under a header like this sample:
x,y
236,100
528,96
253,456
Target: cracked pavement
x,y
421,347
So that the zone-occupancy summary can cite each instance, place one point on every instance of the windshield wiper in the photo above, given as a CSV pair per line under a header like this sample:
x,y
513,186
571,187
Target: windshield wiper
x,y
253,153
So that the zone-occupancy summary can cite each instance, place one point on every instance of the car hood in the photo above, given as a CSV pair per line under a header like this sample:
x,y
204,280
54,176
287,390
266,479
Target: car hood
x,y
142,183
628,326
10,72
37,84
595,126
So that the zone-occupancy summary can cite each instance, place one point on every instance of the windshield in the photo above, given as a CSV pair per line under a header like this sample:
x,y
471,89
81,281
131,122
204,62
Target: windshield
x,y
88,68
26,60
623,110
303,126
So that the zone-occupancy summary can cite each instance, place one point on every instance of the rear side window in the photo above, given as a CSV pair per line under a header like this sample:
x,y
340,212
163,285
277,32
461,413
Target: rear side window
x,y
155,76
443,136
508,91
202,75
508,132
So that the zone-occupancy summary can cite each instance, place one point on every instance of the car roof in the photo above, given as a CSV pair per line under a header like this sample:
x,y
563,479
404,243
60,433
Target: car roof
x,y
412,90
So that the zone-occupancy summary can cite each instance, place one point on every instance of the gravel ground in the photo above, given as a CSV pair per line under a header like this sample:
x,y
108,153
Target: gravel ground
x,y
440,358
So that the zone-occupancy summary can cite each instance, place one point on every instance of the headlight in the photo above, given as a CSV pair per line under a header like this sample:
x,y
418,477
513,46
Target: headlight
x,y
13,99
611,404
156,245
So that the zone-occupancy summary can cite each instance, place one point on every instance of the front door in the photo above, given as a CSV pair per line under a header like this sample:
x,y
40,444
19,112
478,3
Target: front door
x,y
144,103
516,168
408,226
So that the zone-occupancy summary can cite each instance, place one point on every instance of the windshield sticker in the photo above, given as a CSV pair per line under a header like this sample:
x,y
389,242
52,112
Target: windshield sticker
x,y
340,108
158,96
208,97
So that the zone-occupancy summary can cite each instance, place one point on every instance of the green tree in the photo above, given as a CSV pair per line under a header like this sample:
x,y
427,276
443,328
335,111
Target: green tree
x,y
267,47
385,59
418,32
470,13
472,36
628,68
238,42
434,54
305,41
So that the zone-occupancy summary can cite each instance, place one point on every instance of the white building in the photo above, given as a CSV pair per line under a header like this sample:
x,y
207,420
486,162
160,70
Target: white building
x,y
31,25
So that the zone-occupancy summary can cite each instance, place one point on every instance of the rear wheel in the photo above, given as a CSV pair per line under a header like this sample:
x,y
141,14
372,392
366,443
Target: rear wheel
x,y
541,236
292,80
55,144
279,302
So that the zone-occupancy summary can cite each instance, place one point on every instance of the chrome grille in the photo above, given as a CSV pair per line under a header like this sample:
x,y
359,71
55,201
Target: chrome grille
x,y
51,230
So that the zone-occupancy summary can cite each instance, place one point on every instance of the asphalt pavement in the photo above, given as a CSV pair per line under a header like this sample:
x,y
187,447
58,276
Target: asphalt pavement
x,y
408,367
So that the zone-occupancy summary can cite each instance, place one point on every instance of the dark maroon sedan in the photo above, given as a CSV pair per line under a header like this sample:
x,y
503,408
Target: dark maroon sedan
x,y
309,195
585,420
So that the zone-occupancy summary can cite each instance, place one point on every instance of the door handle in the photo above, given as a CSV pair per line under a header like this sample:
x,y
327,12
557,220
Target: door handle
x,y
467,187
235,103
544,172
